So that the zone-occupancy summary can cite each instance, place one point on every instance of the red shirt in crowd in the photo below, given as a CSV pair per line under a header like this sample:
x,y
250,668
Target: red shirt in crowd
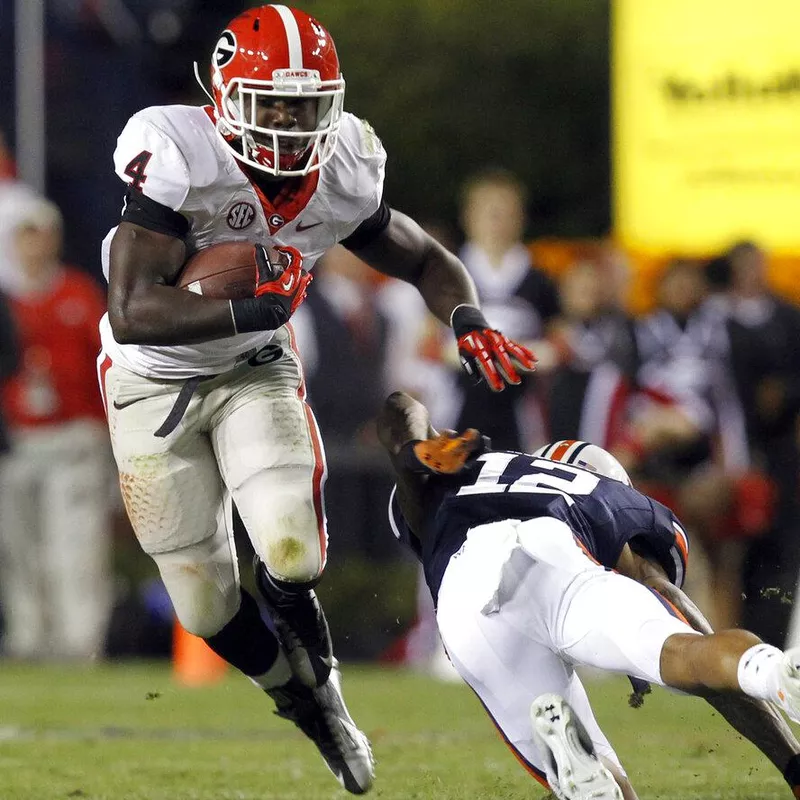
x,y
59,342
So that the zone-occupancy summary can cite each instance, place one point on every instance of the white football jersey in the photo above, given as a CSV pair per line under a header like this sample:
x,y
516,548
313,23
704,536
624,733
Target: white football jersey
x,y
176,158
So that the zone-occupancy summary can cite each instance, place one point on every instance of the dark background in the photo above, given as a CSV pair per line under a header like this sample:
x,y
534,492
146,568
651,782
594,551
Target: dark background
x,y
449,85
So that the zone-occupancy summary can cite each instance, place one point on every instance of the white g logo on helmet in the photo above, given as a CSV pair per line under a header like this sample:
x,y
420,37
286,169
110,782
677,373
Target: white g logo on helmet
x,y
586,455
225,50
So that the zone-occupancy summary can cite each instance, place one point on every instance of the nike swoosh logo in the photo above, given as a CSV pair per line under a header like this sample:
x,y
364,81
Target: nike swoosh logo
x,y
288,284
301,227
120,406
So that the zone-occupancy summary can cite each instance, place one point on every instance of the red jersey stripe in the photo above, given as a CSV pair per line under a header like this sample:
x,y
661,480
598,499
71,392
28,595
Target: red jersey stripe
x,y
320,471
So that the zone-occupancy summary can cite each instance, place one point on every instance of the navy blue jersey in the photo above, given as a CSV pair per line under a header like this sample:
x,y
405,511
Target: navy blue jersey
x,y
604,514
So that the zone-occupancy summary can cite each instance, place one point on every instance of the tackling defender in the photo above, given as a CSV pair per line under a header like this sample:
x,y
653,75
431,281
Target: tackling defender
x,y
518,553
205,397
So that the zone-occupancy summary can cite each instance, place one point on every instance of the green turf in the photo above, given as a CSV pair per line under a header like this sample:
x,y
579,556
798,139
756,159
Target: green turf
x,y
129,732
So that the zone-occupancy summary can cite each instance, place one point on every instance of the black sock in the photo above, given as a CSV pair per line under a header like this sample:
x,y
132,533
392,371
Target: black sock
x,y
246,642
791,772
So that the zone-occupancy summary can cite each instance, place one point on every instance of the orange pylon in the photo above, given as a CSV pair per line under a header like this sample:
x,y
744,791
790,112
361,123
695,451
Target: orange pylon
x,y
194,663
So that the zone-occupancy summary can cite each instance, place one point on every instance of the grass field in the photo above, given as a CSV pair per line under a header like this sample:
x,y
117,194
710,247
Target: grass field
x,y
130,733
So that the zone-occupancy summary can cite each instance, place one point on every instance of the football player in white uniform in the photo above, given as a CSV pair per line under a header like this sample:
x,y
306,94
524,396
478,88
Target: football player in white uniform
x,y
538,563
205,397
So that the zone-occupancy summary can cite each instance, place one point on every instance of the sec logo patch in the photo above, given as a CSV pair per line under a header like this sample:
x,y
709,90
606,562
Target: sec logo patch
x,y
241,215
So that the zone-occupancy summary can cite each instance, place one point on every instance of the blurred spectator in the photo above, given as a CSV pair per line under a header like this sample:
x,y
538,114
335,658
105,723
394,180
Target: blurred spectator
x,y
418,344
341,337
8,168
417,364
765,347
765,334
54,578
515,296
686,438
11,194
689,407
587,393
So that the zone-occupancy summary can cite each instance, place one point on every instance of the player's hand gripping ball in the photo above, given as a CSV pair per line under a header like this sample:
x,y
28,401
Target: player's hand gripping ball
x,y
264,284
225,271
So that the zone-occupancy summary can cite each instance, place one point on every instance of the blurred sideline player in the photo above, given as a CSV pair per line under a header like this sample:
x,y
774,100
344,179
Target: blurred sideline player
x,y
539,564
205,397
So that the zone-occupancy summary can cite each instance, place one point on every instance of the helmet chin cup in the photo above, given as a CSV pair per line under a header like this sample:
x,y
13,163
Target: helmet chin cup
x,y
261,154
265,156
261,157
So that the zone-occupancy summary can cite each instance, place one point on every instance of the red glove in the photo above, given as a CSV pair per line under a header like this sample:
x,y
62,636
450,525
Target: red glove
x,y
280,288
487,354
286,282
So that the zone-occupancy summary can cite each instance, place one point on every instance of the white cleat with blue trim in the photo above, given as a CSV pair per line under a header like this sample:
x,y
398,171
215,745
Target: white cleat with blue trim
x,y
573,770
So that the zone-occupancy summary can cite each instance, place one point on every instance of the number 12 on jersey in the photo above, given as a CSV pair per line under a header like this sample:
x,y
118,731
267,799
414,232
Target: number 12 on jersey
x,y
538,476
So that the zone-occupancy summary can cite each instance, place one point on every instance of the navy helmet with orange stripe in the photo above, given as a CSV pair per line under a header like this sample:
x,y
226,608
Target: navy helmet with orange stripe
x,y
586,455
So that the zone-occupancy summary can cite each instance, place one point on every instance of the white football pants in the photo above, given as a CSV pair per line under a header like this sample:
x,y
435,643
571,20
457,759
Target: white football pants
x,y
521,605
55,541
247,434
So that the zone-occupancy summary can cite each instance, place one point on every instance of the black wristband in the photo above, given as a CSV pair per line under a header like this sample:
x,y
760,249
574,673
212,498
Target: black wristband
x,y
408,459
257,314
467,318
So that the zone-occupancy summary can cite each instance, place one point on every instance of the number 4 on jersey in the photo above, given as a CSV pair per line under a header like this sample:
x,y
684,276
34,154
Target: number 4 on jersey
x,y
136,167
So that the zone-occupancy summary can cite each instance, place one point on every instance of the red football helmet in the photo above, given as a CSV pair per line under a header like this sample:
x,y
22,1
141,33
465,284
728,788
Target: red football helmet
x,y
278,91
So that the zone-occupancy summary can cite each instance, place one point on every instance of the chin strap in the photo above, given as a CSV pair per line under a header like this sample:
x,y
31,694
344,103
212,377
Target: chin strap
x,y
199,80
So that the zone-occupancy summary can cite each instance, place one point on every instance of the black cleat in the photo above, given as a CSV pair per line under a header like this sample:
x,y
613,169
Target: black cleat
x,y
322,716
302,628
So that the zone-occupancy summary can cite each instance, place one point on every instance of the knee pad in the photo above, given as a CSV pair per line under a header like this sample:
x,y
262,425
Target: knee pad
x,y
203,587
291,545
289,560
206,620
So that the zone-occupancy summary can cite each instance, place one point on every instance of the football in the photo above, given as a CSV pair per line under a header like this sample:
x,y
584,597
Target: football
x,y
226,271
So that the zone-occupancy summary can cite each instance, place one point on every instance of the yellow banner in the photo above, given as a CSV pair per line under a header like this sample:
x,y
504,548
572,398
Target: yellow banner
x,y
706,124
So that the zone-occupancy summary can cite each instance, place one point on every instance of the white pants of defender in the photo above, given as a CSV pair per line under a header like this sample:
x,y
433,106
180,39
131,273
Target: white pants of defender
x,y
247,434
521,605
55,541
